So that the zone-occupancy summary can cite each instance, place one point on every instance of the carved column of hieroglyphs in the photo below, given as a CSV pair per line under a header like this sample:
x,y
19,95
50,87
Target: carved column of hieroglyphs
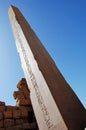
x,y
55,105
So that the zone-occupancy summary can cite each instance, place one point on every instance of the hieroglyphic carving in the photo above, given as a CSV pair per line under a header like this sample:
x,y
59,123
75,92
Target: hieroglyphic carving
x,y
33,79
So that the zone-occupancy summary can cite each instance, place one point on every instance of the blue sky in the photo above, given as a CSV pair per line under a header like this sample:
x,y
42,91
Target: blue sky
x,y
61,26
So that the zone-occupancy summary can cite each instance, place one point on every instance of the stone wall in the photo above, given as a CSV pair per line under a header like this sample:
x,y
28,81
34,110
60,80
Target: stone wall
x,y
21,116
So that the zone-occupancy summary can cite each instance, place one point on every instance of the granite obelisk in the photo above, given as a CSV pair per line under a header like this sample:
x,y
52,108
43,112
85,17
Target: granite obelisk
x,y
55,105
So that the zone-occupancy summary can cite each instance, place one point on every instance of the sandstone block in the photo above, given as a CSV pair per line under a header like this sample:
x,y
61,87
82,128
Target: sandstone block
x,y
24,88
2,108
19,127
8,108
26,126
27,94
25,108
8,122
24,113
18,121
33,125
16,114
22,102
22,83
2,128
18,94
25,120
2,103
25,102
30,126
7,114
1,124
1,115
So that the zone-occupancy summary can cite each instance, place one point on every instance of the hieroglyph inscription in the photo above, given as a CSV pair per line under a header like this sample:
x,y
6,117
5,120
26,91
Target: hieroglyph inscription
x,y
33,79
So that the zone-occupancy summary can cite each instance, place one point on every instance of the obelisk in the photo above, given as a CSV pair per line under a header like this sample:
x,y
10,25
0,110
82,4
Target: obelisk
x,y
55,105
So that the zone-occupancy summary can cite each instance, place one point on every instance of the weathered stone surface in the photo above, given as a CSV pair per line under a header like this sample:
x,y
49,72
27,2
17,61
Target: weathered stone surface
x,y
26,108
7,114
16,114
18,127
17,118
23,102
1,123
29,126
8,108
22,96
22,84
18,121
25,120
8,122
19,94
26,94
2,128
33,125
2,108
1,115
24,113
2,103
